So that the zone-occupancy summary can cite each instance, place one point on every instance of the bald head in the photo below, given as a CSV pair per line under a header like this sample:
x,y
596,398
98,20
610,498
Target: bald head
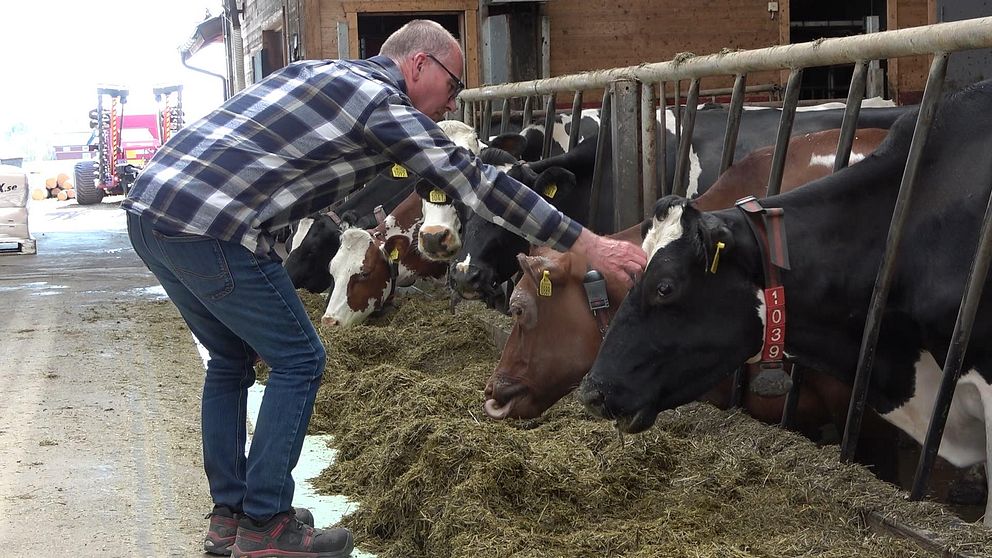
x,y
419,35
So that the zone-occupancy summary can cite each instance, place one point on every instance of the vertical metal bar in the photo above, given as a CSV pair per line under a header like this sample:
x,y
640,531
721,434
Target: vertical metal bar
x,y
855,95
576,122
737,387
688,123
879,295
626,160
504,121
784,131
792,398
649,153
528,113
468,116
733,122
549,126
487,120
602,141
955,355
875,79
677,107
663,188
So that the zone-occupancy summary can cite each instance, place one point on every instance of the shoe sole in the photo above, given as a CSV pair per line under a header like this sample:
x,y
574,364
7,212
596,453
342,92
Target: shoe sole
x,y
271,553
209,548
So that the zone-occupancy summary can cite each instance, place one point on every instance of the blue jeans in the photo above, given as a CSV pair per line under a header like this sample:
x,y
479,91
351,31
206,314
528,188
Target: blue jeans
x,y
239,305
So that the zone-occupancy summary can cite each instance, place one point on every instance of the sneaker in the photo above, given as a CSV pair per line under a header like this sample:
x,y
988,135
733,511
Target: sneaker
x,y
286,535
223,528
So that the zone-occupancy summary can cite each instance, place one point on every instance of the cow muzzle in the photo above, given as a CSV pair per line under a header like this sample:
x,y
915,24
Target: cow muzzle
x,y
438,243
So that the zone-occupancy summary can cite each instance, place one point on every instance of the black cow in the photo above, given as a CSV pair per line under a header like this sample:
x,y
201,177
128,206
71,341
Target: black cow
x,y
528,141
488,255
758,129
315,240
683,328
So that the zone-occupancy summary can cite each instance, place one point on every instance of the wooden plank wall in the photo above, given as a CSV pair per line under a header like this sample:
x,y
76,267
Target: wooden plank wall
x,y
908,76
597,34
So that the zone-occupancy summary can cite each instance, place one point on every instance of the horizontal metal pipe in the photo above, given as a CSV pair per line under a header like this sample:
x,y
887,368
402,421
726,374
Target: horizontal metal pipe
x,y
939,37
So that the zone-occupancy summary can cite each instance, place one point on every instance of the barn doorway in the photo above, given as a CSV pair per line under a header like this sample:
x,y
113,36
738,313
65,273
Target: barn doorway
x,y
373,29
810,20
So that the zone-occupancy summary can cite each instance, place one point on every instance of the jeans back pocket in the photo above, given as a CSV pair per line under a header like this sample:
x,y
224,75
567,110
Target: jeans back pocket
x,y
199,262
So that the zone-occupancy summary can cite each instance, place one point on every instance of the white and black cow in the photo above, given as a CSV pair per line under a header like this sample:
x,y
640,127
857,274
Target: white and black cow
x,y
315,240
689,322
529,140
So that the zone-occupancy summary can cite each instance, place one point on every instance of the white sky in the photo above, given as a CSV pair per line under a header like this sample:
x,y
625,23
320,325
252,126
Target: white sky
x,y
56,52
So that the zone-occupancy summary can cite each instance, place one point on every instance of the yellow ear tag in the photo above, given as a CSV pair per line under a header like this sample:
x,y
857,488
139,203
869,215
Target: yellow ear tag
x,y
544,289
716,256
399,172
550,190
437,196
395,254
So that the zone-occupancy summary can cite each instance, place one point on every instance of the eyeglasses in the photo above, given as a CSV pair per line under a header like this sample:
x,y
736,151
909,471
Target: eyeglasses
x,y
456,83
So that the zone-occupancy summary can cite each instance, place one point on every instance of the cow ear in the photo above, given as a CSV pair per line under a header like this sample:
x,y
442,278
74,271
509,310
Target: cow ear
x,y
555,184
528,266
515,144
715,238
349,218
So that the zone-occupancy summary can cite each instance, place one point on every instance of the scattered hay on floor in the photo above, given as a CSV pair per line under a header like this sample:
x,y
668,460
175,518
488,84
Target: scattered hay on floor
x,y
435,478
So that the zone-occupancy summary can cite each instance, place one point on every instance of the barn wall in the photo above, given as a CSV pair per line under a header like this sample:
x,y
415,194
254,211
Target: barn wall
x,y
590,34
908,76
597,34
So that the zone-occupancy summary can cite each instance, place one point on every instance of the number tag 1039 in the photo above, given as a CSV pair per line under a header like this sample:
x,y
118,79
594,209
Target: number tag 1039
x,y
774,346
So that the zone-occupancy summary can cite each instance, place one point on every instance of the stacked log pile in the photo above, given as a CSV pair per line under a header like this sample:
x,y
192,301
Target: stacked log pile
x,y
59,187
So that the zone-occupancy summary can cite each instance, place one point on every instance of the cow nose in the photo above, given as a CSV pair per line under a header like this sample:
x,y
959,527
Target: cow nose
x,y
435,242
328,321
593,399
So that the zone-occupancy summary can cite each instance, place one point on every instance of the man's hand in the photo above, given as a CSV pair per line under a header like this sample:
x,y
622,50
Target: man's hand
x,y
611,257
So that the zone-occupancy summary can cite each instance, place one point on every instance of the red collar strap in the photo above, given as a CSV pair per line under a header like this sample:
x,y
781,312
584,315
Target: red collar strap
x,y
768,226
334,217
379,237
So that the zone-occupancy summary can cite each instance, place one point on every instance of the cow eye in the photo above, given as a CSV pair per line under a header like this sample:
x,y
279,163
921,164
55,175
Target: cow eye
x,y
363,274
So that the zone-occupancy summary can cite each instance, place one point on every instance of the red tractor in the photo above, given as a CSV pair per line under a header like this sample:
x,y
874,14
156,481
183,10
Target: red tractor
x,y
123,144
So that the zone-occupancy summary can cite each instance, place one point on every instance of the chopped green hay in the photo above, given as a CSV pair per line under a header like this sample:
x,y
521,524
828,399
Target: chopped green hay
x,y
435,478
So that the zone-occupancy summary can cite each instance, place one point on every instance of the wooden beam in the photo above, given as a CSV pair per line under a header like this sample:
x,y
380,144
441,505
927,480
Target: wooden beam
x,y
398,6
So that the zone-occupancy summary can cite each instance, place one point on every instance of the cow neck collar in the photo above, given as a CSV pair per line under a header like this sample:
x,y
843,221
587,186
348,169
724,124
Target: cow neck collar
x,y
379,237
768,227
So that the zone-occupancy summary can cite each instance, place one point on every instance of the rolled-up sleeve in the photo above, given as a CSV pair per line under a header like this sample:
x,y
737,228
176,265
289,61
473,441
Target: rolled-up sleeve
x,y
407,137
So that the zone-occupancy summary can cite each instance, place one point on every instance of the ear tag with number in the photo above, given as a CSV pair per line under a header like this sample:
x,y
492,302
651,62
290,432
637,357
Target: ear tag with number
x,y
437,196
544,288
399,172
395,254
550,190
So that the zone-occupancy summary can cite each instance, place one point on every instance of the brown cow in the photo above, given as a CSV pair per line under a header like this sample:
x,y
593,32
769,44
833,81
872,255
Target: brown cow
x,y
370,264
555,339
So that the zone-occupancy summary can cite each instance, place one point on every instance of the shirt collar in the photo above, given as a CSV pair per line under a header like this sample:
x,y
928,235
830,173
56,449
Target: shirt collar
x,y
391,69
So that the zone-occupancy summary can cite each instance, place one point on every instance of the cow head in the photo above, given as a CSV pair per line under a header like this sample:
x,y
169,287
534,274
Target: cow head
x,y
363,278
439,237
682,327
311,247
555,336
489,252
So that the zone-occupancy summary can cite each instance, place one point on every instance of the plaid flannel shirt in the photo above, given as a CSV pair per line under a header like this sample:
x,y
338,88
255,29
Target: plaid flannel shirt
x,y
305,137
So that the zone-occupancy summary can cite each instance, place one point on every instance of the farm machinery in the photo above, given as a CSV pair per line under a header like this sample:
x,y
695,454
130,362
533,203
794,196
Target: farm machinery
x,y
123,144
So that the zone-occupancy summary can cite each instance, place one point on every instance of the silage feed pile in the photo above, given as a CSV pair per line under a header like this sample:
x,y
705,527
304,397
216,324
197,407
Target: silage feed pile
x,y
435,478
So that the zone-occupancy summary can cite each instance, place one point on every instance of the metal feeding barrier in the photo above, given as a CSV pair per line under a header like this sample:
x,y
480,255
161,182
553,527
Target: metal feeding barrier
x,y
628,110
